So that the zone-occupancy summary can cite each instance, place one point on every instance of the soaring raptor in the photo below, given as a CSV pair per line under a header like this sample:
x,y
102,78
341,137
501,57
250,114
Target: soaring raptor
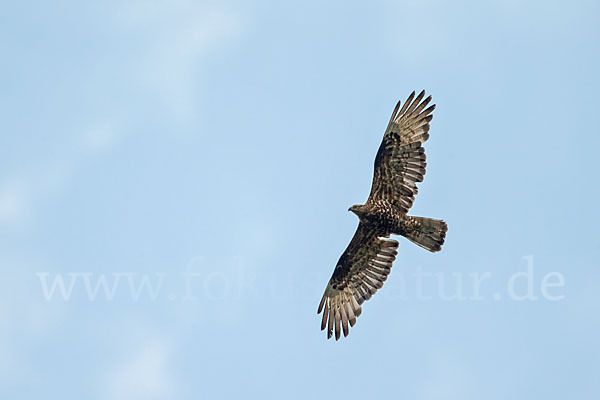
x,y
367,261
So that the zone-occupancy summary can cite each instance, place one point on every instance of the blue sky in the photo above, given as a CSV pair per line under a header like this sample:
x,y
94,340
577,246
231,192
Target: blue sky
x,y
200,158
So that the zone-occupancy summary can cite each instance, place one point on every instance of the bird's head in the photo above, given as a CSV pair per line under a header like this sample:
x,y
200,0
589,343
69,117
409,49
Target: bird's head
x,y
359,209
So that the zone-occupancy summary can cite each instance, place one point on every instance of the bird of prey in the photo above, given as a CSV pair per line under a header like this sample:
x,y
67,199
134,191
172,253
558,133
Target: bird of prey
x,y
366,262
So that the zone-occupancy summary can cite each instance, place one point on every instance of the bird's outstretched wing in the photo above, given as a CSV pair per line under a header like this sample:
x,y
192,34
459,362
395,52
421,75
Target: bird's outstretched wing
x,y
360,271
400,161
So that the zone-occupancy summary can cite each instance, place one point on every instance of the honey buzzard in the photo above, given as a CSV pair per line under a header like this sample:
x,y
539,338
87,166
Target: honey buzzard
x,y
367,261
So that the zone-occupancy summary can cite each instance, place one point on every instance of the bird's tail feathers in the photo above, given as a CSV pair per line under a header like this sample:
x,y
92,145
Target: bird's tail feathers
x,y
429,234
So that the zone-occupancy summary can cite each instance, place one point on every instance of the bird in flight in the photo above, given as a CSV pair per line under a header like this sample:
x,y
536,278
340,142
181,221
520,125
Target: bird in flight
x,y
367,261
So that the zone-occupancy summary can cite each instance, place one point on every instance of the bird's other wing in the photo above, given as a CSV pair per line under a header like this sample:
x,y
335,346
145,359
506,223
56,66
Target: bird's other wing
x,y
400,161
360,271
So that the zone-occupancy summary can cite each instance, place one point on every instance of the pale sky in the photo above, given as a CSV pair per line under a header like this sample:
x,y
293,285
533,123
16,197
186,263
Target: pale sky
x,y
184,170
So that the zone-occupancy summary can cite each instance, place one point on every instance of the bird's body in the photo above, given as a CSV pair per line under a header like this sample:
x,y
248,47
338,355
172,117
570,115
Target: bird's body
x,y
367,261
382,215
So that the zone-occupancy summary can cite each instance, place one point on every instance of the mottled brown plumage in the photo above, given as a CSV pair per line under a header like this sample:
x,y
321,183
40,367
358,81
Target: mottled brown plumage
x,y
367,261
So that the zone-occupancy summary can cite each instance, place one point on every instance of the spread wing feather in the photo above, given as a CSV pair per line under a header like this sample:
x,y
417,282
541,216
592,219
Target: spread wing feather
x,y
400,161
360,271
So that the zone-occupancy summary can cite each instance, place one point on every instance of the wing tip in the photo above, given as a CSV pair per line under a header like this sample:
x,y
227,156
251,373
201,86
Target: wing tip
x,y
321,304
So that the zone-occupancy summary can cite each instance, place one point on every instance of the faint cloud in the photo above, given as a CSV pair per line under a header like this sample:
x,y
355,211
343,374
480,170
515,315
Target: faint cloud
x,y
14,203
143,374
22,193
26,322
100,137
169,42
177,36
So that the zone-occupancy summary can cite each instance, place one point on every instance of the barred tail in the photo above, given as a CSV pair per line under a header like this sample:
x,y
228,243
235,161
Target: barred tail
x,y
428,233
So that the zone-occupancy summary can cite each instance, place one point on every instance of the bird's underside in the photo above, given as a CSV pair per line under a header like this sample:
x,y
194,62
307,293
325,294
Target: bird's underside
x,y
367,261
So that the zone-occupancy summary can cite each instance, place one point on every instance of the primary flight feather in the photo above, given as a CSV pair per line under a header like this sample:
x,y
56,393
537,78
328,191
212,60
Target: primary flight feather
x,y
366,262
